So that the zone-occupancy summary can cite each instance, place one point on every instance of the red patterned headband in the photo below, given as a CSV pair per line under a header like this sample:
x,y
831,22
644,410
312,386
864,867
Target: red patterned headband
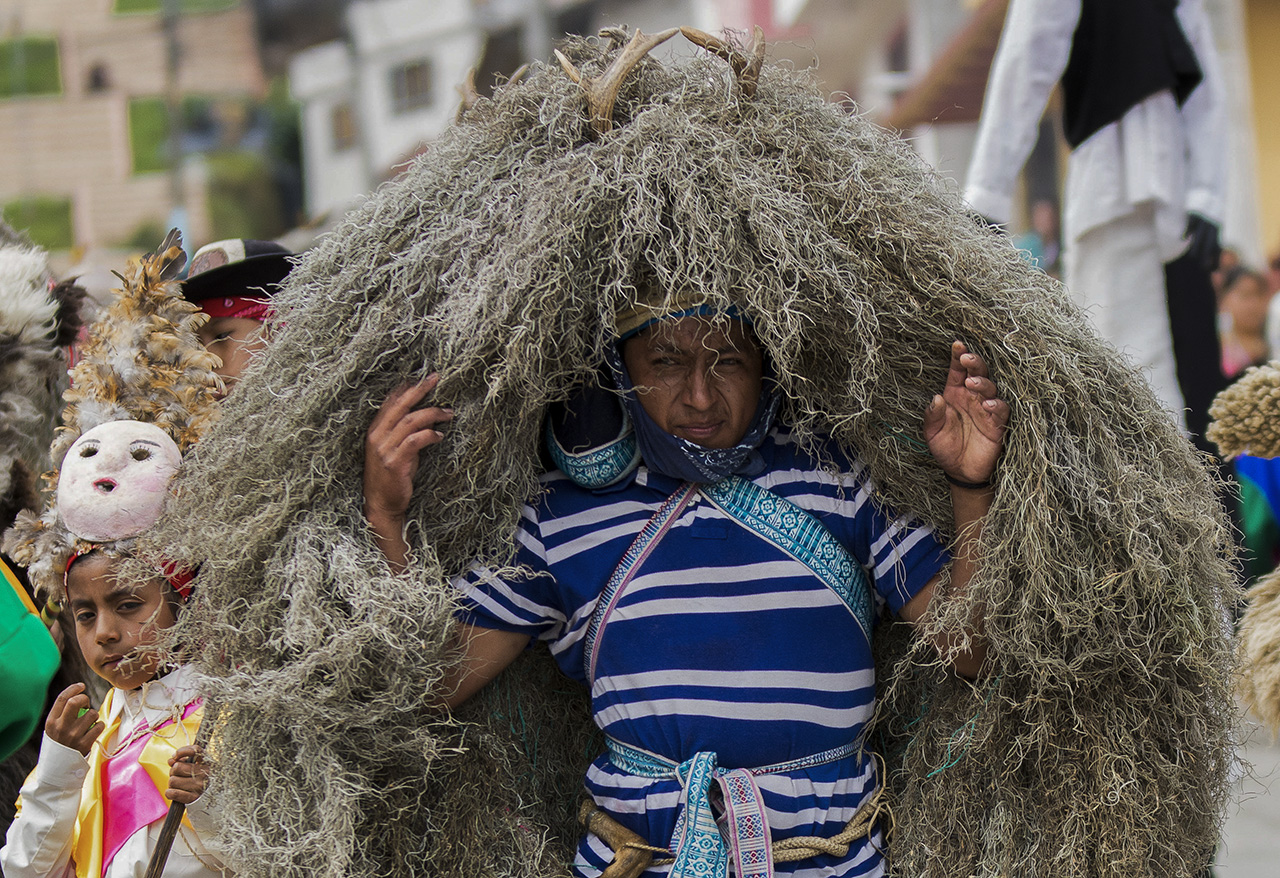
x,y
180,580
237,306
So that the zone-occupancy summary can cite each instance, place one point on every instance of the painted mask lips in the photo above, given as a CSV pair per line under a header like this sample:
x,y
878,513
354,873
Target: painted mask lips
x,y
105,486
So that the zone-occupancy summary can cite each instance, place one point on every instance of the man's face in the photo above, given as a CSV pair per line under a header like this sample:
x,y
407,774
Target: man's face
x,y
114,622
697,378
234,340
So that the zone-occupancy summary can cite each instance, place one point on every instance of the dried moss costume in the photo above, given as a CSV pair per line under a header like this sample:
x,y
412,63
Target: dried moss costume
x,y
1095,748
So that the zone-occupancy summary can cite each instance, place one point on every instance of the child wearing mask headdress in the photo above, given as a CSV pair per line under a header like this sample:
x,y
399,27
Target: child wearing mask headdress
x,y
106,777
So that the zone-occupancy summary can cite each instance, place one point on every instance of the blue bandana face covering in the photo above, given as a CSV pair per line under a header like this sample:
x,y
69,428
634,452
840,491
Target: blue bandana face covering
x,y
682,459
599,438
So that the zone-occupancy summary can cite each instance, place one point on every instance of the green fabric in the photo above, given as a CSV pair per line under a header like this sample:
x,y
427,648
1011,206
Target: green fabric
x,y
1261,531
28,660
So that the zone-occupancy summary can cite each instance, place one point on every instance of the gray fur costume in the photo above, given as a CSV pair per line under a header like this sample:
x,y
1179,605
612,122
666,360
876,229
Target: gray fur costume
x,y
39,319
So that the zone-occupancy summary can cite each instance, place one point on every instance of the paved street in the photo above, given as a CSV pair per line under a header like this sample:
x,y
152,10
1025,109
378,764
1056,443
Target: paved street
x,y
1251,843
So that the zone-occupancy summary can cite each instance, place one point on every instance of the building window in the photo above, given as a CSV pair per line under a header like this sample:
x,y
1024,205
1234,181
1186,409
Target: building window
x,y
149,135
29,66
99,79
343,124
411,86
46,220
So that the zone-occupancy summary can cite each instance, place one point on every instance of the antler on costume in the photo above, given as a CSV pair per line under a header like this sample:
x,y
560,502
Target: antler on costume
x,y
469,95
746,71
602,91
520,74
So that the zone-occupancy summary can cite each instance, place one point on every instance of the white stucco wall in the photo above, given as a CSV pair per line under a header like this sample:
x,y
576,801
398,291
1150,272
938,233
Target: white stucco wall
x,y
321,79
390,33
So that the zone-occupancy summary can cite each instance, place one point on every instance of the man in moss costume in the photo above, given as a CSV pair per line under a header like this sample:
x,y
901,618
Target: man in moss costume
x,y
1094,744
718,555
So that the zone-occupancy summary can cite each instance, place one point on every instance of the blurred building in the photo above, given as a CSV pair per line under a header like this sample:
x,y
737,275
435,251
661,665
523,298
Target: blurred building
x,y
85,113
376,97
379,95
371,100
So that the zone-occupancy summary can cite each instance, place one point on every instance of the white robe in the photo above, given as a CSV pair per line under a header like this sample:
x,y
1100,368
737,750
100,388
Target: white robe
x,y
39,840
1129,186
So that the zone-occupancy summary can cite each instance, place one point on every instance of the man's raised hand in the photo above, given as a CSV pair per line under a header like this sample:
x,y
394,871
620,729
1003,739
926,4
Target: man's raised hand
x,y
398,433
964,425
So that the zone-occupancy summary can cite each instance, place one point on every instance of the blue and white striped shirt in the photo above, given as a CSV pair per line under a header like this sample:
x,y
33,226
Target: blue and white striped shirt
x,y
721,642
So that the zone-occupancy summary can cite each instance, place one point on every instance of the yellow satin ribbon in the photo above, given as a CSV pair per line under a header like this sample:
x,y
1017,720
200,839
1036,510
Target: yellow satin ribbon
x,y
9,577
162,743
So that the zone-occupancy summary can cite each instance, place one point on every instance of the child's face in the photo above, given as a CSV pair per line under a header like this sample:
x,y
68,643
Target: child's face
x,y
1246,300
234,340
113,621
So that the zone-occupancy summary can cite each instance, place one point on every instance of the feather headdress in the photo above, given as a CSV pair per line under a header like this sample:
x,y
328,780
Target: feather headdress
x,y
39,318
142,362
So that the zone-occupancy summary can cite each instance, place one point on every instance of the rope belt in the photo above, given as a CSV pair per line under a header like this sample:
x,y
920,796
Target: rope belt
x,y
700,849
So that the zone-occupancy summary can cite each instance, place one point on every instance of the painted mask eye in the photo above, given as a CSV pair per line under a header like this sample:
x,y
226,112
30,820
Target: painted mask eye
x,y
88,450
140,453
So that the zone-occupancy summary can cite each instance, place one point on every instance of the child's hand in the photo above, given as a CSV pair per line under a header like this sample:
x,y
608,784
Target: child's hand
x,y
72,722
188,775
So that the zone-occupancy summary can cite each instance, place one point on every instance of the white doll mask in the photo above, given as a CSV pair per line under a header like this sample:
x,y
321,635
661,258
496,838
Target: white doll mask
x,y
114,480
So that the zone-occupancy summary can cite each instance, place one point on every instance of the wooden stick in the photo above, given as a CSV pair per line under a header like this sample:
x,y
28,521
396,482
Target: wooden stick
x,y
172,820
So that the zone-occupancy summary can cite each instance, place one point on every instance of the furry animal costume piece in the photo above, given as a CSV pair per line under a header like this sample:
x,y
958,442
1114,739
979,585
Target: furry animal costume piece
x,y
39,319
1096,747
1246,420
142,362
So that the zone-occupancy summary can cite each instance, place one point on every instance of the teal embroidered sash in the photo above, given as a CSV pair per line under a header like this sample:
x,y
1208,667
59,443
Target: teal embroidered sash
x,y
701,847
801,536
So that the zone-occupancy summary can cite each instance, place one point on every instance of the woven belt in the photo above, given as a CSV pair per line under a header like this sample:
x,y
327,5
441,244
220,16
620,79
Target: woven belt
x,y
697,842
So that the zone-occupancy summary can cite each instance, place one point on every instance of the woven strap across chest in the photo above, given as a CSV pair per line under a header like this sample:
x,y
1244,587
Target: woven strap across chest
x,y
768,515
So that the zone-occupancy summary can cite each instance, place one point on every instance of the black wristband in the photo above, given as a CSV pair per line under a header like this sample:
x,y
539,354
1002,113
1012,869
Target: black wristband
x,y
972,486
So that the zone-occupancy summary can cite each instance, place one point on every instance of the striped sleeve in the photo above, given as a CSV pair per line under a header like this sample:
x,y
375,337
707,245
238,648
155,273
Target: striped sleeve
x,y
527,602
904,555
